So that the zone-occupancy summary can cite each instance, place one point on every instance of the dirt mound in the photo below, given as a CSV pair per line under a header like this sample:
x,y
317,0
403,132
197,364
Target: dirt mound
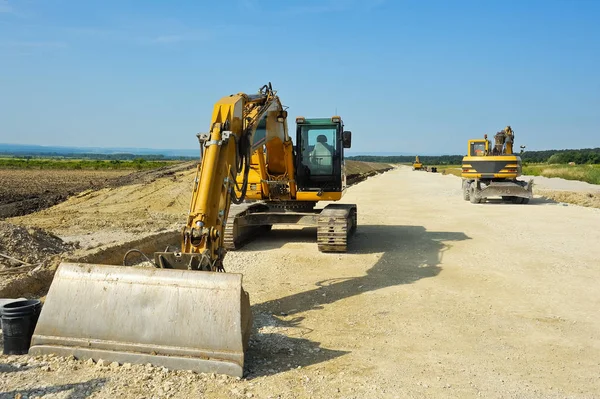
x,y
28,244
588,199
357,171
28,258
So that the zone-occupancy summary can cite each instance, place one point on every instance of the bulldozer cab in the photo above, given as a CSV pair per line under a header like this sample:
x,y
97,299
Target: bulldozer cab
x,y
478,148
320,147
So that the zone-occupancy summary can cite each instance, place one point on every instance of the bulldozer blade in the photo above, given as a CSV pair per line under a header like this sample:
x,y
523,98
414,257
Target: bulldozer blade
x,y
179,319
498,189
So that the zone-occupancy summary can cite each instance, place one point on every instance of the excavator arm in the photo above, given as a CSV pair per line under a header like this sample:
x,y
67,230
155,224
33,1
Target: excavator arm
x,y
226,152
180,315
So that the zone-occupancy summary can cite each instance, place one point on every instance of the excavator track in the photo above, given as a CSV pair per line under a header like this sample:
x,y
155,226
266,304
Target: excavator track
x,y
236,236
337,223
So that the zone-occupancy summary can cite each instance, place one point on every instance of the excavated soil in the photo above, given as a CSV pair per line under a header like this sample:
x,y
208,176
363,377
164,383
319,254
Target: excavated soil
x,y
28,258
150,202
26,191
30,245
358,171
567,191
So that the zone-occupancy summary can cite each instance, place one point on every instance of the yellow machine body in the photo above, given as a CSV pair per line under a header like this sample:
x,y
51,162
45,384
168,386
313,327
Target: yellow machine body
x,y
181,314
417,164
492,170
185,313
287,182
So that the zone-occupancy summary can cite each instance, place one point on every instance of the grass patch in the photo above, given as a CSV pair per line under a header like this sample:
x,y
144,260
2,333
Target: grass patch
x,y
586,173
448,169
83,164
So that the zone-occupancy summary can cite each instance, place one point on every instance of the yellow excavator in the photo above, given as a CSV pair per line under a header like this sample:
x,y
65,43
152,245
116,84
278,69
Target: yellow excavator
x,y
417,164
492,171
185,313
284,183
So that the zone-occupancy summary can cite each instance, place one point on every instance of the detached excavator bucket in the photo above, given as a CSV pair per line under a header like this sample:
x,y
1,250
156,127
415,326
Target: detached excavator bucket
x,y
178,319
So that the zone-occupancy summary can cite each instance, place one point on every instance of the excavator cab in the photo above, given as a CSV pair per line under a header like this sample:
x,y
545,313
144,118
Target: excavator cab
x,y
320,154
287,181
478,148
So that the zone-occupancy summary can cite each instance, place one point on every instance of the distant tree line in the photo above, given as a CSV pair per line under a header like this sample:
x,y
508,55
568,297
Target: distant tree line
x,y
583,156
427,160
74,164
102,157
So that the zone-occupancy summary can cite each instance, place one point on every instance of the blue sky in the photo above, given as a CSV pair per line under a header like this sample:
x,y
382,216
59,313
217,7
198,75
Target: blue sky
x,y
406,76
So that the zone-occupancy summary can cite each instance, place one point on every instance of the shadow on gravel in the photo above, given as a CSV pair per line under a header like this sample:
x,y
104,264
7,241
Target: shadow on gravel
x,y
11,368
532,201
78,390
278,237
542,200
272,350
409,254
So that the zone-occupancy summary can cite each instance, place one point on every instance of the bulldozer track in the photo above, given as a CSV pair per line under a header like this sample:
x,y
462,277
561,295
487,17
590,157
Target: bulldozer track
x,y
337,223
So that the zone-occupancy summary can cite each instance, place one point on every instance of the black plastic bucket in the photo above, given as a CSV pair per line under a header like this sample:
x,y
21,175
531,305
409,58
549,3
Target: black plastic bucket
x,y
18,323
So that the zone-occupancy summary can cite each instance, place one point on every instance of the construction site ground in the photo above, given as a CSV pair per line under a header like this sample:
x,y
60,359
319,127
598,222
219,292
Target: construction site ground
x,y
436,298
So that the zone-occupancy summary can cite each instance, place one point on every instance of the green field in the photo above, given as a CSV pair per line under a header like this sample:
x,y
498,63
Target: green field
x,y
447,169
87,164
586,173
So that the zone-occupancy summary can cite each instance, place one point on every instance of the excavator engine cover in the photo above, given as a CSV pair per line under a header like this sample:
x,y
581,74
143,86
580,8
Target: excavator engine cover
x,y
179,319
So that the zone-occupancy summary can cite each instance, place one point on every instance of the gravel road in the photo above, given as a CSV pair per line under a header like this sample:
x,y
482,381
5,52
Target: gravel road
x,y
437,298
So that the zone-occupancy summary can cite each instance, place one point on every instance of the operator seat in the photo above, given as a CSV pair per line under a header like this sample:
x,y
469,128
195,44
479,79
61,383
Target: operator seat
x,y
321,158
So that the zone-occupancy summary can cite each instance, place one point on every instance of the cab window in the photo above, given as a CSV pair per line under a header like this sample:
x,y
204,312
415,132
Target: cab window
x,y
477,149
318,149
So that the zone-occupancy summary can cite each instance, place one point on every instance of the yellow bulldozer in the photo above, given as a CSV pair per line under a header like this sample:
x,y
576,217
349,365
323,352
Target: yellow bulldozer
x,y
492,171
186,313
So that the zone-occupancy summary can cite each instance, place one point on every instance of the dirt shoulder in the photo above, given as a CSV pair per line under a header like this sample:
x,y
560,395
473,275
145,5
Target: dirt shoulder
x,y
556,189
567,191
357,171
437,298
137,204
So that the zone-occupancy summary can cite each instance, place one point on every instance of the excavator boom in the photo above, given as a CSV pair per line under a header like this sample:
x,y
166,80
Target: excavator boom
x,y
181,314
